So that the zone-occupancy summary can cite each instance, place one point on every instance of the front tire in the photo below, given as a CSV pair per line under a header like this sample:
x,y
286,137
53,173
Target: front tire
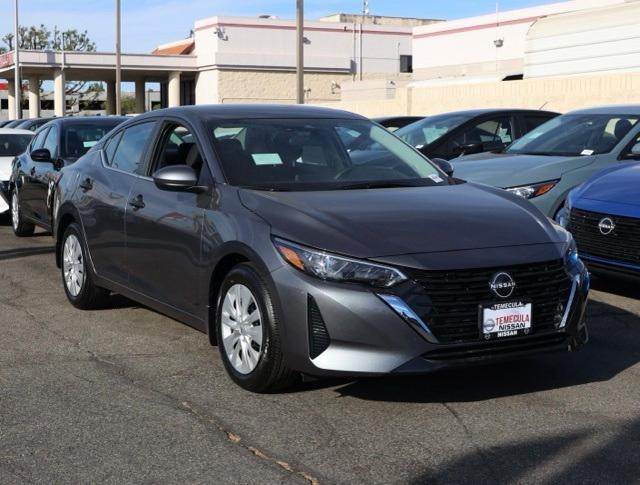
x,y
21,228
77,277
248,333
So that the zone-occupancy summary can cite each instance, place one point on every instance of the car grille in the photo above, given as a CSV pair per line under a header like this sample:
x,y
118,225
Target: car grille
x,y
451,309
622,244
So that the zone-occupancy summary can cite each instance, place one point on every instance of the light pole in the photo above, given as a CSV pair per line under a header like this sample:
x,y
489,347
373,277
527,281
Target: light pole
x,y
300,51
118,67
16,60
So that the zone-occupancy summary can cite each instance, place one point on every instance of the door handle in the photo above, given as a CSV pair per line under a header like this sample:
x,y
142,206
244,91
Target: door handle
x,y
137,202
86,184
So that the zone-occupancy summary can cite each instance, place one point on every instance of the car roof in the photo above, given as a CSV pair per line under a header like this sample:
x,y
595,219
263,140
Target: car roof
x,y
483,111
231,111
74,120
15,131
613,109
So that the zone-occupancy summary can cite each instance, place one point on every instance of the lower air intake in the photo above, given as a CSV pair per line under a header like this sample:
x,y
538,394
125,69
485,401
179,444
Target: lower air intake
x,y
318,335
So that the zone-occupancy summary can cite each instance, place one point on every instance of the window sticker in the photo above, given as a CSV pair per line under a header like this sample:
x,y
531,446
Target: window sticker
x,y
436,178
266,159
586,152
89,144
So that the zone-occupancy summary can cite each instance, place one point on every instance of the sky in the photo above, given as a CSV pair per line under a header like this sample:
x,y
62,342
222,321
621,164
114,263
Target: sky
x,y
147,23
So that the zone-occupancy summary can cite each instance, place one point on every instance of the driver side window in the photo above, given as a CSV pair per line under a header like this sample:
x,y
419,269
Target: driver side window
x,y
178,147
38,141
486,131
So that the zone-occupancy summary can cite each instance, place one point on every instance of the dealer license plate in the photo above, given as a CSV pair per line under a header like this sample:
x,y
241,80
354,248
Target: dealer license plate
x,y
505,319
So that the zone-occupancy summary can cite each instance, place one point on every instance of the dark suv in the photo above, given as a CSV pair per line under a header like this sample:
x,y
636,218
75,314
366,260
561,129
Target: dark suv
x,y
256,225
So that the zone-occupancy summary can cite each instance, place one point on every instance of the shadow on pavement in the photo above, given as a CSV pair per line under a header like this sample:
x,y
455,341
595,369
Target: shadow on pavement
x,y
25,252
613,459
626,287
613,348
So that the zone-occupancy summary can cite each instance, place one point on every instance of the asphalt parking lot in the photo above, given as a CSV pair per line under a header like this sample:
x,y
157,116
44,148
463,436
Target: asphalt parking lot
x,y
127,395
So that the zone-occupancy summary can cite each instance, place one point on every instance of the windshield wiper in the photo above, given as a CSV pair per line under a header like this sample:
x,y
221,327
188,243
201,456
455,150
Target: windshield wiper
x,y
382,184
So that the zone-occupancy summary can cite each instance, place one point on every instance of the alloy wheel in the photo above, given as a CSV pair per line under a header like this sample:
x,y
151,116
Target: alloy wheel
x,y
15,211
73,265
241,325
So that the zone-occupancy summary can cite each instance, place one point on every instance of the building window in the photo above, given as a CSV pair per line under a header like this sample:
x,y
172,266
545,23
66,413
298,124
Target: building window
x,y
406,63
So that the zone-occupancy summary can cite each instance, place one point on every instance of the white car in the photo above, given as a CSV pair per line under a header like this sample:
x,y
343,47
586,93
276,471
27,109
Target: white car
x,y
12,143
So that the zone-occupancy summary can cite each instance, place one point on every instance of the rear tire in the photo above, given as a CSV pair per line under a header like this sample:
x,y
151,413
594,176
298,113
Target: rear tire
x,y
21,228
77,277
248,333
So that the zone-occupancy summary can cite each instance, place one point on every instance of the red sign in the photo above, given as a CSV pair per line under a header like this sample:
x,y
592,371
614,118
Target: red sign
x,y
6,59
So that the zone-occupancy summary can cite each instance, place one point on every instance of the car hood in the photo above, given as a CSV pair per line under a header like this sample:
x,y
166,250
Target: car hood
x,y
620,184
505,170
384,222
5,168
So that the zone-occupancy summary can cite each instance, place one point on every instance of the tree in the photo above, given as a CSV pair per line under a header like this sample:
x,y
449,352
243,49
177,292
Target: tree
x,y
41,38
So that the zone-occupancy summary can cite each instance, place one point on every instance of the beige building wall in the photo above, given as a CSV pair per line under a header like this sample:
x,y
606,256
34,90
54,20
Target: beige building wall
x,y
556,94
260,86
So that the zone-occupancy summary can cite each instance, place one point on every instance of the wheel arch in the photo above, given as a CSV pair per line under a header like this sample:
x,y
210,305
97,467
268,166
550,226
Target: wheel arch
x,y
67,214
228,256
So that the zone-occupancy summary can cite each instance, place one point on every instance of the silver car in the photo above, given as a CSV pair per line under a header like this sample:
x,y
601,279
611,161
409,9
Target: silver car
x,y
544,165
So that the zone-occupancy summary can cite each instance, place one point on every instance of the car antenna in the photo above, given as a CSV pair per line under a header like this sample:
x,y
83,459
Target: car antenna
x,y
543,105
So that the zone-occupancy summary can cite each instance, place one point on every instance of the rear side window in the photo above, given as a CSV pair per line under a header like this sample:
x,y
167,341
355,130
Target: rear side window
x,y
110,148
129,155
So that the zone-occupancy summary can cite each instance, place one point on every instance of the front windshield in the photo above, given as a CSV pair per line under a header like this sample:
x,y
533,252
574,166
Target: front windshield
x,y
13,145
78,139
317,154
428,130
573,135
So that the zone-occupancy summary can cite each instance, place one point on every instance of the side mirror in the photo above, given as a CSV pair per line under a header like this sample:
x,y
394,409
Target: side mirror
x,y
41,155
444,165
177,178
634,153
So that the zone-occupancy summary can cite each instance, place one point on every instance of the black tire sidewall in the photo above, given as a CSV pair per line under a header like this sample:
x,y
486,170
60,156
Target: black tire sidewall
x,y
248,276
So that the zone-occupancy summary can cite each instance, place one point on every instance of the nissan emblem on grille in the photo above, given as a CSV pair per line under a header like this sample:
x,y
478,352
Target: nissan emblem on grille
x,y
502,285
606,226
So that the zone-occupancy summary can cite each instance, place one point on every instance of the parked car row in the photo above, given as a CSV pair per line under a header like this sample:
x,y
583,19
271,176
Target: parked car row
x,y
311,241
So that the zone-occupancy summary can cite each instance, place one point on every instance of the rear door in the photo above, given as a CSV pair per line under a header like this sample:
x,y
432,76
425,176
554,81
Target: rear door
x,y
164,228
105,194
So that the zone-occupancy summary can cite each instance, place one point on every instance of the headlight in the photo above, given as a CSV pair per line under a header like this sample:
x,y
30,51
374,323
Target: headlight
x,y
330,267
534,190
571,256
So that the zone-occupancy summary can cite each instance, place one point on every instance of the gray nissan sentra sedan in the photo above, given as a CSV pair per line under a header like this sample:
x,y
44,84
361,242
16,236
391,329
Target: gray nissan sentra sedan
x,y
296,255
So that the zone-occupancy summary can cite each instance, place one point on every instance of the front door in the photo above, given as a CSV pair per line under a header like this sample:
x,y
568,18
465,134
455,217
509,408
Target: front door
x,y
164,228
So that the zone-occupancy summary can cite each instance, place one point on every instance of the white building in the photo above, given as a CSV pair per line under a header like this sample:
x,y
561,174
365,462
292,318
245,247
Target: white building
x,y
484,48
234,59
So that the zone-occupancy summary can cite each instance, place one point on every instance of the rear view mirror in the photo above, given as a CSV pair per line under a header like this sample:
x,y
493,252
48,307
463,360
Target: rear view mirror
x,y
41,155
444,165
177,178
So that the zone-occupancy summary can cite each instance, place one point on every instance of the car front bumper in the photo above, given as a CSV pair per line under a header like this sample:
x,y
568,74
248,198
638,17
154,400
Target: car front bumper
x,y
340,329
